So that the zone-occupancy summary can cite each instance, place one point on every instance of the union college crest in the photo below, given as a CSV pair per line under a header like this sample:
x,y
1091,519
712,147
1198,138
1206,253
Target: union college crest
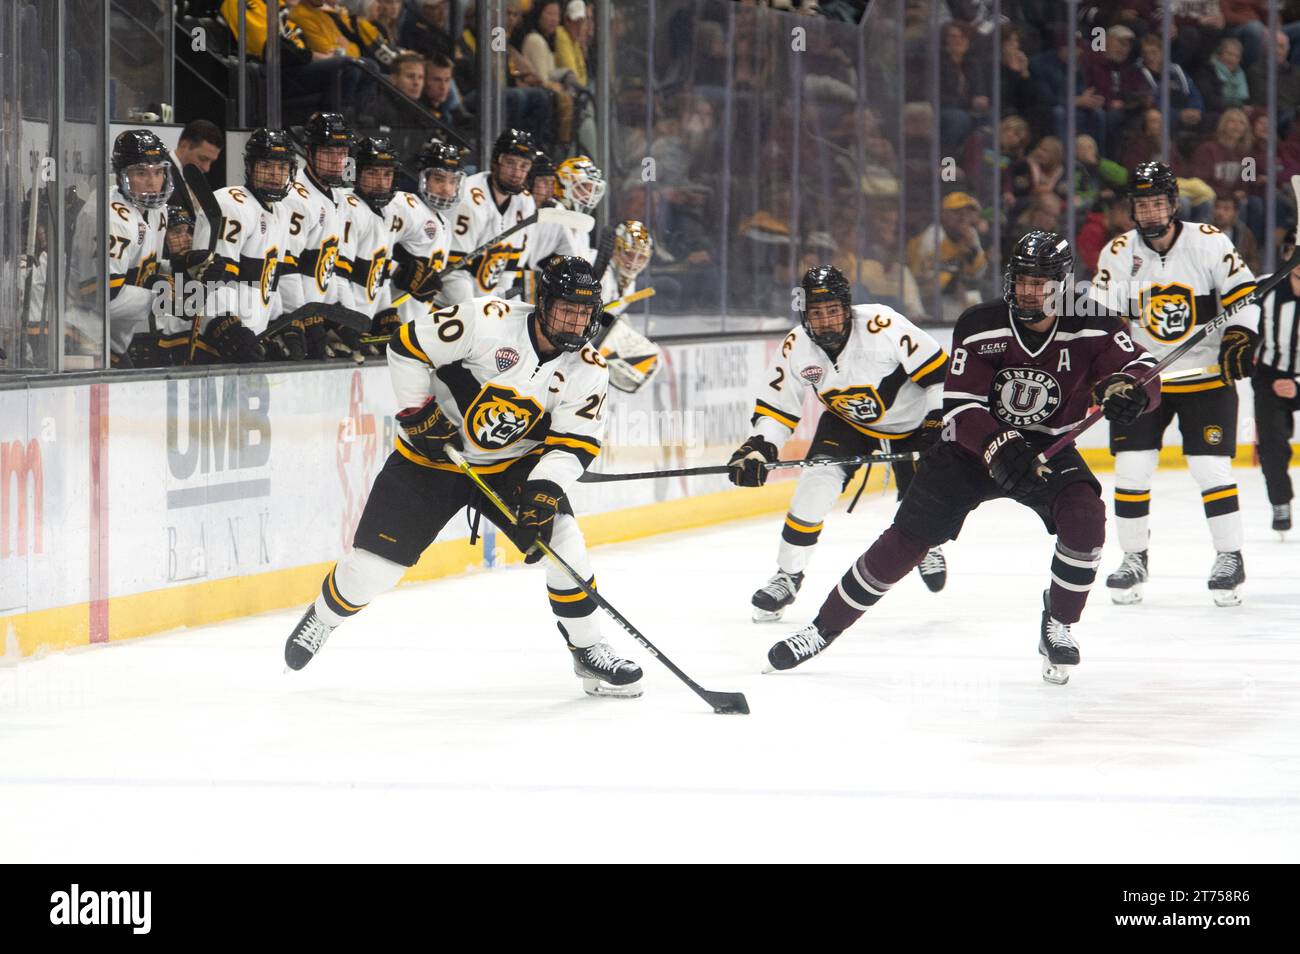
x,y
1023,396
499,416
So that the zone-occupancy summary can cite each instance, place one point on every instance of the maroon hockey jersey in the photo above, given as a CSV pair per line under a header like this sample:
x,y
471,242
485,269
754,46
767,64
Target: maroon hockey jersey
x,y
1001,375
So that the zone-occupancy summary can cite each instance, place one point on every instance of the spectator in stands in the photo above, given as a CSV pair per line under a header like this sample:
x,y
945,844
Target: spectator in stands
x,y
1222,163
1042,171
963,93
1288,82
1142,144
1109,219
1047,71
1244,21
1017,85
429,32
883,271
950,252
1184,98
386,15
330,29
407,74
1198,26
303,72
1095,176
535,38
1116,78
1044,212
529,105
436,98
1223,82
571,38
1226,220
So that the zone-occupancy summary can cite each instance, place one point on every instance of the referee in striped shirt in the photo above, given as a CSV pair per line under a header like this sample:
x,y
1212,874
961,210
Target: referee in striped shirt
x,y
1275,382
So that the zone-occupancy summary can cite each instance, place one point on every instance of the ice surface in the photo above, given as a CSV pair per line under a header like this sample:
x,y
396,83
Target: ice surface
x,y
444,722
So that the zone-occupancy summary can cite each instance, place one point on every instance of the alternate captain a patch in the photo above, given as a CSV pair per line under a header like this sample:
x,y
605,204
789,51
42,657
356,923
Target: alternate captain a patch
x,y
1023,396
1169,311
499,416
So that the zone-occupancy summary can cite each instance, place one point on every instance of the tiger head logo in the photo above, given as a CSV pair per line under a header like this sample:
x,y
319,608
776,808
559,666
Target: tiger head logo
x,y
329,256
499,416
267,284
378,273
857,405
1169,312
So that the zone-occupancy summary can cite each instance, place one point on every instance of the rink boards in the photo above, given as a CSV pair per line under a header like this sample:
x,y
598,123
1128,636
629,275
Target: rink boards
x,y
159,502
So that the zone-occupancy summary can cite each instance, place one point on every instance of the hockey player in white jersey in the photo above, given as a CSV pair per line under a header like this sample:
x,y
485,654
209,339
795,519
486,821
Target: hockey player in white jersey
x,y
309,278
1173,277
494,201
520,392
633,358
249,250
137,228
880,379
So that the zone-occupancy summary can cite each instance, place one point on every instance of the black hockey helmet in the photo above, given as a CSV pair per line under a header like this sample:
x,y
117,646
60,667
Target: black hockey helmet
x,y
567,278
269,145
1152,178
374,152
180,230
443,156
141,147
1038,254
827,283
327,130
512,142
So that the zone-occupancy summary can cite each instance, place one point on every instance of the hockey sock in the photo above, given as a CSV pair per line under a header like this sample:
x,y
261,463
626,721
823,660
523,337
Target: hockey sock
x,y
1080,519
353,582
813,499
1133,470
890,558
1219,498
569,604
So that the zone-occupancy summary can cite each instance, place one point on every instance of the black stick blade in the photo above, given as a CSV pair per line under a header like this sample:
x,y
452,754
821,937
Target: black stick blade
x,y
726,703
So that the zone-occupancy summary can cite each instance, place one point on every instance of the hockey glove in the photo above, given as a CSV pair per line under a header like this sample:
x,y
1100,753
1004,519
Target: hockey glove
x,y
930,431
1237,354
287,343
538,505
428,430
149,349
313,334
234,342
747,462
386,323
1014,465
1121,400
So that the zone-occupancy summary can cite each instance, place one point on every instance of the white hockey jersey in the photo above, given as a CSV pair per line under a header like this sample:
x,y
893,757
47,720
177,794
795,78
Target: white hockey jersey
x,y
420,239
613,289
251,248
313,238
475,220
1174,293
479,359
889,375
135,247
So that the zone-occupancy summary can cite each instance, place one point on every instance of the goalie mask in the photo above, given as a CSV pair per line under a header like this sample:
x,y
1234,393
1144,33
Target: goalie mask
x,y
441,175
579,184
1038,255
568,302
143,169
824,286
269,164
633,247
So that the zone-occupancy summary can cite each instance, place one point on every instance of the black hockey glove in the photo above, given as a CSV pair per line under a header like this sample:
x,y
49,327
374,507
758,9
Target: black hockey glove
x,y
386,323
148,349
313,333
539,502
287,343
1237,354
428,430
1121,400
234,342
930,431
747,462
1014,465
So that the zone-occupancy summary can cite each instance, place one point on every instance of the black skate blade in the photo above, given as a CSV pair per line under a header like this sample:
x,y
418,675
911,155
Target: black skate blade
x,y
726,703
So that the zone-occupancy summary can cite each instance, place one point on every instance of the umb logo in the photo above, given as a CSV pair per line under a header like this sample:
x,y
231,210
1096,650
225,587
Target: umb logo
x,y
102,907
21,479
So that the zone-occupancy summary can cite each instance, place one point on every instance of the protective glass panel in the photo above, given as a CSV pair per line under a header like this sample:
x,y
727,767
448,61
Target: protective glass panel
x,y
140,33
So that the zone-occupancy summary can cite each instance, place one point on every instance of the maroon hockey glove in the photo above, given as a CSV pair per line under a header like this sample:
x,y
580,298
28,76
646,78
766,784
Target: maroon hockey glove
x,y
1121,400
1237,354
747,462
428,429
1014,465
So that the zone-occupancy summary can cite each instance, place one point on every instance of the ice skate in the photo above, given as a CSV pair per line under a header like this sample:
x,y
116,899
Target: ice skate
x,y
1226,577
770,601
799,648
1282,519
602,671
1125,584
934,569
1056,646
306,640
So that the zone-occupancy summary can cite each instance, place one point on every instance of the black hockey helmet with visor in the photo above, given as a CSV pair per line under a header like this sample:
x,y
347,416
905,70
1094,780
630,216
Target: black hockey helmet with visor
x,y
826,283
269,147
1148,179
140,149
512,142
438,156
328,131
1038,254
568,302
375,152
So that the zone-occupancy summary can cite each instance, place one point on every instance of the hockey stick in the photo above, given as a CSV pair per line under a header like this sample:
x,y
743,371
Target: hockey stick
x,y
630,299
590,478
199,188
724,703
604,252
1261,289
565,217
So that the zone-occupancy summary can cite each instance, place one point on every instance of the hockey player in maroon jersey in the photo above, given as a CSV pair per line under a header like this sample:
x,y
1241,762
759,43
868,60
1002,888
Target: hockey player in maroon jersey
x,y
1020,376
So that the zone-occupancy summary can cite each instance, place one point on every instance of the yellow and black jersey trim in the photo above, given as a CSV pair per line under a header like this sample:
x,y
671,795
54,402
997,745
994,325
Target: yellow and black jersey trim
x,y
405,343
932,371
415,457
1241,291
763,409
1182,387
580,446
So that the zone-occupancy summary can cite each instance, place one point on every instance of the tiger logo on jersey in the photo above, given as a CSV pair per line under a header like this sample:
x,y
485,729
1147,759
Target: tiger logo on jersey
x,y
329,256
499,416
268,282
494,263
1169,312
857,405
378,272
1024,396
